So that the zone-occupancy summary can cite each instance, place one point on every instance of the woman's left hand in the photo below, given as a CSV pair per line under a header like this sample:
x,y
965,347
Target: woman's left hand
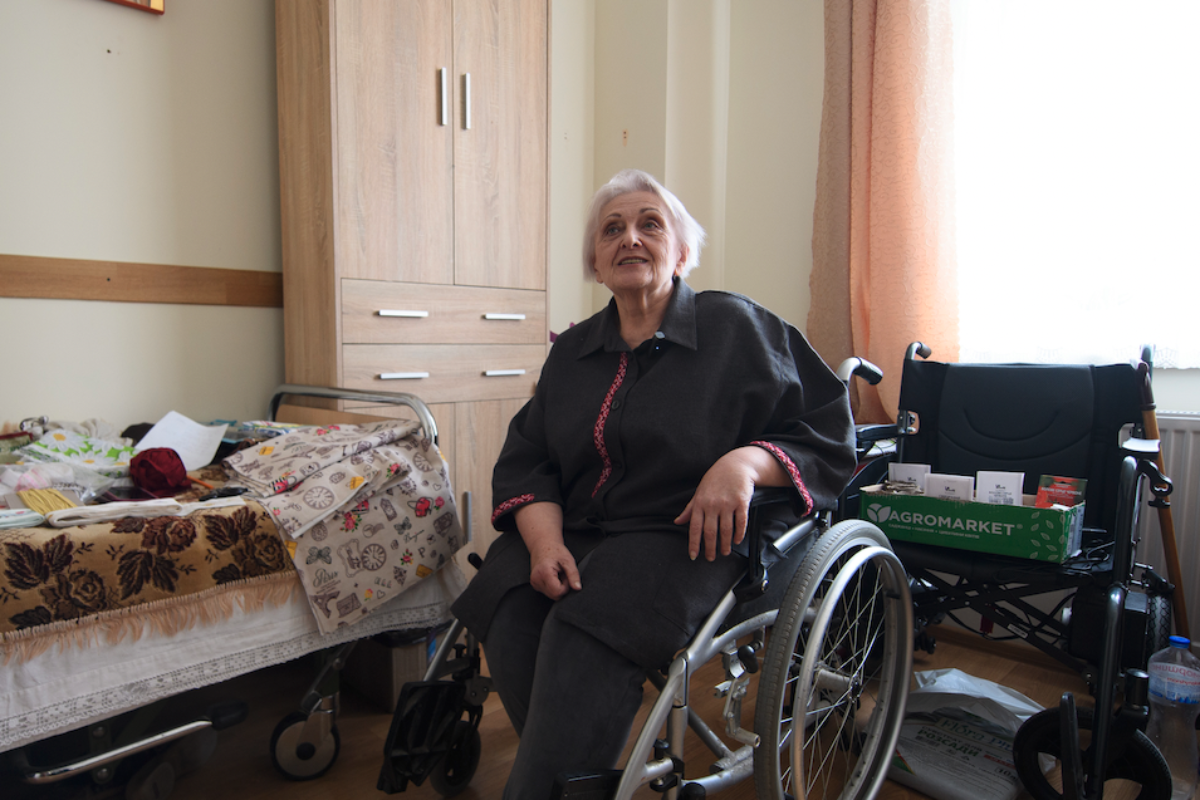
x,y
717,512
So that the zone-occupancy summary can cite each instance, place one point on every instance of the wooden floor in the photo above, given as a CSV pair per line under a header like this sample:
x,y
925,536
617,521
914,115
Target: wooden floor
x,y
241,767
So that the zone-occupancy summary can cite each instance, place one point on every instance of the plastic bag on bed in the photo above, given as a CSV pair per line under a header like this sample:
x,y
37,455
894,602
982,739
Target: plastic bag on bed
x,y
86,483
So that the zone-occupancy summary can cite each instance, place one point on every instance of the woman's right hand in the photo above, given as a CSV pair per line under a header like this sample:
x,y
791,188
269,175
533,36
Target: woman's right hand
x,y
553,572
552,568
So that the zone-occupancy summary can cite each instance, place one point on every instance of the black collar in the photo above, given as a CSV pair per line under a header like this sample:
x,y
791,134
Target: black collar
x,y
678,325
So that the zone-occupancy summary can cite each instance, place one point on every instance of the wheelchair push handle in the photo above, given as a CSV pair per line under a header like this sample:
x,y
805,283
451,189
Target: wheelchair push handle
x,y
918,349
859,368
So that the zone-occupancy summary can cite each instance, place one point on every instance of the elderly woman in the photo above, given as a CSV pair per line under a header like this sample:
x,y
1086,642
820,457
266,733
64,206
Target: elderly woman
x,y
624,484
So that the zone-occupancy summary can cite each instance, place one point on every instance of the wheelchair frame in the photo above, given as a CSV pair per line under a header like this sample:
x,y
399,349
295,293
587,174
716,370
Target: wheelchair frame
x,y
995,587
829,706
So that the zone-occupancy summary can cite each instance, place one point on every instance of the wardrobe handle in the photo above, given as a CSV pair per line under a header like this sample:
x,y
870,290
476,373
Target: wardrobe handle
x,y
465,518
444,90
466,101
392,312
502,373
402,376
504,316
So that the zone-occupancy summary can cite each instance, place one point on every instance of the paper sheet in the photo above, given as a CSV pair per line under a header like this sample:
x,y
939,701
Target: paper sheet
x,y
196,444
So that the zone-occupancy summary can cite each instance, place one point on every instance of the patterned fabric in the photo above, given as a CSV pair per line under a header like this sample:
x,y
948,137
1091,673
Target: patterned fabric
x,y
790,467
87,573
110,459
368,510
605,410
509,505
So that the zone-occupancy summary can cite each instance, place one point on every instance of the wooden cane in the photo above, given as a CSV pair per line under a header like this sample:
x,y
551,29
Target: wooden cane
x,y
1166,522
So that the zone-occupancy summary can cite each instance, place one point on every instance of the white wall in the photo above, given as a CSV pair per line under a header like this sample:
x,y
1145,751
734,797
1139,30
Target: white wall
x,y
722,101
777,80
127,136
572,143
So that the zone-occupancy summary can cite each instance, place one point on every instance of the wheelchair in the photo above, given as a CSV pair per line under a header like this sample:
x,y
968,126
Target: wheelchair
x,y
1099,613
827,630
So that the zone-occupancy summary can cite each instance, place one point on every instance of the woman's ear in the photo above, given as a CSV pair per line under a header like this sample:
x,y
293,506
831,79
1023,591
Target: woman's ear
x,y
683,257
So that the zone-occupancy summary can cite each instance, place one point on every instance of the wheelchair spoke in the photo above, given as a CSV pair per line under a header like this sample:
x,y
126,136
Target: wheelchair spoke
x,y
837,718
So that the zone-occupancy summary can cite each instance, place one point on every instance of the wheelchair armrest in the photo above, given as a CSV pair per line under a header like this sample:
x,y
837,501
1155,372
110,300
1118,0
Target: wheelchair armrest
x,y
754,584
868,434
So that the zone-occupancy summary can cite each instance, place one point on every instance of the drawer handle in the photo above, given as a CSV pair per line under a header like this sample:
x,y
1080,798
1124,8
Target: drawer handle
x,y
501,373
402,376
504,316
388,312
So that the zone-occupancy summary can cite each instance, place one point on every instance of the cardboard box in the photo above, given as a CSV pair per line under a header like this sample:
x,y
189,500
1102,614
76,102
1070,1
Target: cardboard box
x,y
1042,534
379,672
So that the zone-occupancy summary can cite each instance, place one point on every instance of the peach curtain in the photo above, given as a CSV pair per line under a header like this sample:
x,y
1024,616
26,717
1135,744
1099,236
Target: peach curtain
x,y
883,227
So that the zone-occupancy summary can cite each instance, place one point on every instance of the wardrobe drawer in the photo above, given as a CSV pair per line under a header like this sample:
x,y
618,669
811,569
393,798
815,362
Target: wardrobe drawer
x,y
381,312
441,373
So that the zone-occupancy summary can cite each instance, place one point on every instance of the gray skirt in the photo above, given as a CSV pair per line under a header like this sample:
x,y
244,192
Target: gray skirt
x,y
642,595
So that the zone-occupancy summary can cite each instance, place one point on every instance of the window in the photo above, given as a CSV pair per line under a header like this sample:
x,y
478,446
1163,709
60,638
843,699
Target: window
x,y
1077,136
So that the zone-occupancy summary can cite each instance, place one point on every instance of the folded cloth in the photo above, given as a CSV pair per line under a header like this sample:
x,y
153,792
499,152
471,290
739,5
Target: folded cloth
x,y
109,458
283,462
19,518
107,512
366,511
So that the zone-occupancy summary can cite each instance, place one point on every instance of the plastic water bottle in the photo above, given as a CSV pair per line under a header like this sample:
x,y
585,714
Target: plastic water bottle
x,y
1174,702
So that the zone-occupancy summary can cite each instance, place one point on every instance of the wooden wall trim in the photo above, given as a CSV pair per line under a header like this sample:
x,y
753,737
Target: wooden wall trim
x,y
122,282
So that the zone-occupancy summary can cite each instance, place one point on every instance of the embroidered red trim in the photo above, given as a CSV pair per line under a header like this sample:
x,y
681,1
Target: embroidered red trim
x,y
792,470
602,420
509,505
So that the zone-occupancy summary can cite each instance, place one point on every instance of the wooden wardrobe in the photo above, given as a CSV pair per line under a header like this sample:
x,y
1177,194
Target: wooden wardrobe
x,y
413,174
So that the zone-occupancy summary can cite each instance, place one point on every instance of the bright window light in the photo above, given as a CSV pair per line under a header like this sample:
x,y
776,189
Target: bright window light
x,y
1077,137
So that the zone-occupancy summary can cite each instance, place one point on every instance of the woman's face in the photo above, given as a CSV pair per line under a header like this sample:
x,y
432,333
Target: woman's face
x,y
636,249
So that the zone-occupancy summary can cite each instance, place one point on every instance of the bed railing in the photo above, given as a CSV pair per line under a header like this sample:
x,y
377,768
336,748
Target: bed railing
x,y
424,416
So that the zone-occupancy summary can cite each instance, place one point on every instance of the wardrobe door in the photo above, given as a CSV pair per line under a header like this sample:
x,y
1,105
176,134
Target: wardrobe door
x,y
480,429
394,140
500,182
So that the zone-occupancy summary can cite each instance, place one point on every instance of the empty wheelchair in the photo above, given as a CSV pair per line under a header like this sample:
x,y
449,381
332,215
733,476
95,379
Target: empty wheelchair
x,y
827,630
1099,612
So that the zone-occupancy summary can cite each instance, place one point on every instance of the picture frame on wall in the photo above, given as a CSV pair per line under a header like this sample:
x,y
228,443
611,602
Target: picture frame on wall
x,y
153,6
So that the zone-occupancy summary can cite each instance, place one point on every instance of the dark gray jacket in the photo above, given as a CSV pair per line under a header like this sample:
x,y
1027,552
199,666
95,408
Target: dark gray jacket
x,y
620,439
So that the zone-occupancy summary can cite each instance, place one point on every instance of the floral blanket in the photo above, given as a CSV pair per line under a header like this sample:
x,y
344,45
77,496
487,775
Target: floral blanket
x,y
359,513
367,511
112,578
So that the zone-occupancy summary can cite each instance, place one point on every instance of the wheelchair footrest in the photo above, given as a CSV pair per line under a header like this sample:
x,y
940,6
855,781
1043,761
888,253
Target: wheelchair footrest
x,y
421,732
598,785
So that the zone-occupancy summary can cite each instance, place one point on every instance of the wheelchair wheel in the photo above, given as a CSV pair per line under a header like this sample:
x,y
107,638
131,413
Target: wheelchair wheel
x,y
1158,624
835,677
299,760
455,771
1138,766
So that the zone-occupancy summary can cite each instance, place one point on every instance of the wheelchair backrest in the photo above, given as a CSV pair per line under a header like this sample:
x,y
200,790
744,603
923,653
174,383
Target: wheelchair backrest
x,y
1039,419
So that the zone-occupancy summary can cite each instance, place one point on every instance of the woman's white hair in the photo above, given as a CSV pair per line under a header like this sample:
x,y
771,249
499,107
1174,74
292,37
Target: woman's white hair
x,y
689,232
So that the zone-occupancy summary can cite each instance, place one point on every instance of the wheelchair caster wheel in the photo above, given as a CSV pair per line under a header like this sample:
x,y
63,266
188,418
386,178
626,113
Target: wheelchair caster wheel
x,y
298,759
455,771
1139,762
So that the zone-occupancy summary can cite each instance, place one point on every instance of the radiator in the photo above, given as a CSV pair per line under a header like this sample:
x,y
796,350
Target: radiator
x,y
1180,435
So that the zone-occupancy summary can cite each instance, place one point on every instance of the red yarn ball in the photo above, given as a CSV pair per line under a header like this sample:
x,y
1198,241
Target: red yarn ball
x,y
159,471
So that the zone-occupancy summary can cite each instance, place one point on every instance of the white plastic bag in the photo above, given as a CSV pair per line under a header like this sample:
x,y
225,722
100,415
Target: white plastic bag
x,y
956,739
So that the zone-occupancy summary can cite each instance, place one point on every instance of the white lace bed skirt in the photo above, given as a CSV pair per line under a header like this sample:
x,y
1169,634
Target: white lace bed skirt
x,y
61,690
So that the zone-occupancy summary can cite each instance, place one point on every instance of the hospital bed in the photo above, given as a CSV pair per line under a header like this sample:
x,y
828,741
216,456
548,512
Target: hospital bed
x,y
67,684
